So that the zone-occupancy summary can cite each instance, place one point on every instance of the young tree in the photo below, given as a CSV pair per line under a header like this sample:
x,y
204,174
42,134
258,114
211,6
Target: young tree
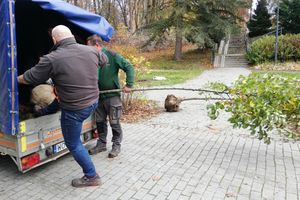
x,y
261,103
260,22
289,16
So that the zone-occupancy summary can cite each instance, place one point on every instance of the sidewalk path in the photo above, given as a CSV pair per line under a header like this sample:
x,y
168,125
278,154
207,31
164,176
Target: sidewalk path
x,y
182,155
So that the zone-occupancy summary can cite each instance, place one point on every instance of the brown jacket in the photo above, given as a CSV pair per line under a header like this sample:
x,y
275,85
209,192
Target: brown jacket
x,y
73,68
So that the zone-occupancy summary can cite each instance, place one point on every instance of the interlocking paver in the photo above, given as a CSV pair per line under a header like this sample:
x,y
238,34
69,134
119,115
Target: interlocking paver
x,y
182,197
182,155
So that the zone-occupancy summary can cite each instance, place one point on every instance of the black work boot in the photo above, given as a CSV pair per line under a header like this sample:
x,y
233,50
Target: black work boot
x,y
116,149
98,148
85,181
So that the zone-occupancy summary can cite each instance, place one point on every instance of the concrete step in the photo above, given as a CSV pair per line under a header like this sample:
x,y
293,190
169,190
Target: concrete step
x,y
236,46
236,51
237,42
235,66
236,55
235,60
230,63
238,38
237,63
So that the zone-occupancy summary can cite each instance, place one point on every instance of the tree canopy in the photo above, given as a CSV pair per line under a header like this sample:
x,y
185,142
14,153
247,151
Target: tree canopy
x,y
262,103
260,23
201,22
289,16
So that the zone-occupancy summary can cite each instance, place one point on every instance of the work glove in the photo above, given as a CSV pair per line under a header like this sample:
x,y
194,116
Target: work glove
x,y
50,82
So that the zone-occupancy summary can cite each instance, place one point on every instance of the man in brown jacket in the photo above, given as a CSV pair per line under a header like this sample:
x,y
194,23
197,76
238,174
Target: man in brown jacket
x,y
73,69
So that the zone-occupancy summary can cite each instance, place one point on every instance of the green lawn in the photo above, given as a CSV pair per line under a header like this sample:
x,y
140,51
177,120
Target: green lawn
x,y
172,77
193,63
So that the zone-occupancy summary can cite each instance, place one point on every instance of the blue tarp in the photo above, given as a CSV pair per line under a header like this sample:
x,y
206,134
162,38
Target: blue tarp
x,y
88,21
9,103
8,71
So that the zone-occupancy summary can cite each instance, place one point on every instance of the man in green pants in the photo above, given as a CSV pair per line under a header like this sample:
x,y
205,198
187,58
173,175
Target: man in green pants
x,y
110,104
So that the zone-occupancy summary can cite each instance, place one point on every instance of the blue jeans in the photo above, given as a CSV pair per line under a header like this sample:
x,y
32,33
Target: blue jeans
x,y
71,125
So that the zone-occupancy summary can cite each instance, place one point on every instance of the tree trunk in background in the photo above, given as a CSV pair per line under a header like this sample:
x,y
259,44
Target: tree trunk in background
x,y
145,11
133,8
178,42
101,5
76,2
134,13
178,45
153,10
95,6
137,14
123,7
108,11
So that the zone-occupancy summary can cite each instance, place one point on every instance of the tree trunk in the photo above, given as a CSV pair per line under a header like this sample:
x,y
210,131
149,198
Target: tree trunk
x,y
178,45
138,14
108,11
95,6
76,2
123,8
130,14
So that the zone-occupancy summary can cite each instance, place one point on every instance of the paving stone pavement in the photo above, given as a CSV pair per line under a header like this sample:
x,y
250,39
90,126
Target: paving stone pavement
x,y
182,155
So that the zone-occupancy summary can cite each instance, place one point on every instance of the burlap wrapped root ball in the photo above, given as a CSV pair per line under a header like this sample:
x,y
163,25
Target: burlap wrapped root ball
x,y
42,96
172,103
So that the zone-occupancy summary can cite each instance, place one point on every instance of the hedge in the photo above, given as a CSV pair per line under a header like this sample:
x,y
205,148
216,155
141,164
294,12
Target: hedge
x,y
263,49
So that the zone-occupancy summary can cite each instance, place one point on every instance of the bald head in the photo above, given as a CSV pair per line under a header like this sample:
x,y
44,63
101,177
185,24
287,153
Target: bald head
x,y
61,32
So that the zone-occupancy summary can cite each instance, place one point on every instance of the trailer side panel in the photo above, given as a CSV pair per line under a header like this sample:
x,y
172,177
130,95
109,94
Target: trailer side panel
x,y
8,70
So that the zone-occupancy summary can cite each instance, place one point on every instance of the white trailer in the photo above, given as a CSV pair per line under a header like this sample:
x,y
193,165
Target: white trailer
x,y
24,37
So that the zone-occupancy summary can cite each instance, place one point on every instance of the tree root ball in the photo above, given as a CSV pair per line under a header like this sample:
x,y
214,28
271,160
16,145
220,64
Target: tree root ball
x,y
172,103
42,95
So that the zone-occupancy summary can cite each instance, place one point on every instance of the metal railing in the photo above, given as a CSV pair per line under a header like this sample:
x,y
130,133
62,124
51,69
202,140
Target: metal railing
x,y
273,32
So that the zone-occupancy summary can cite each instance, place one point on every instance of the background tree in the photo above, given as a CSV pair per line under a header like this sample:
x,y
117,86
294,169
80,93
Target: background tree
x,y
214,20
289,16
260,22
201,22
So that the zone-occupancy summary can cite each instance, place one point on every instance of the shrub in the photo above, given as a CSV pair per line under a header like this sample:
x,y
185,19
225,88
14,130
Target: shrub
x,y
263,49
262,103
